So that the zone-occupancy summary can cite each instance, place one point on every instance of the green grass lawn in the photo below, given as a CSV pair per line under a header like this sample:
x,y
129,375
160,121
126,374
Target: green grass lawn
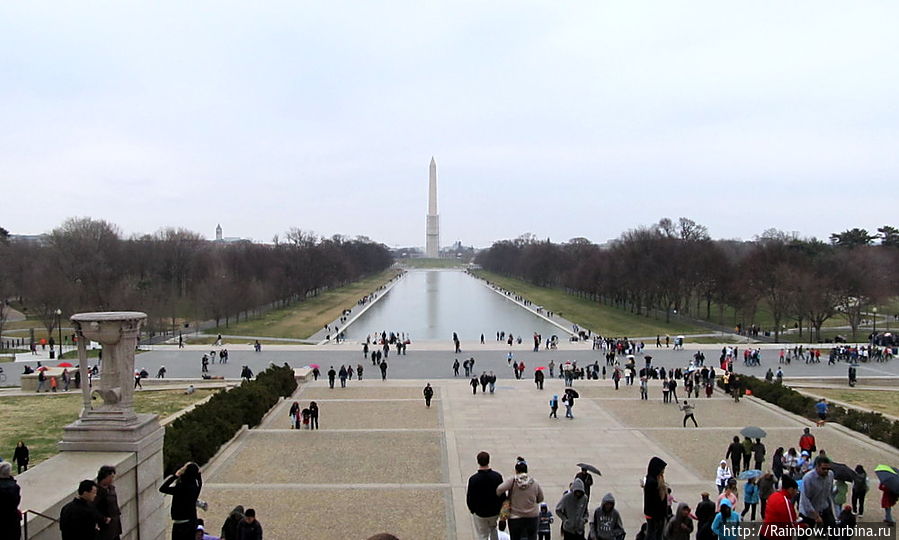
x,y
431,263
39,420
306,318
879,400
597,317
203,339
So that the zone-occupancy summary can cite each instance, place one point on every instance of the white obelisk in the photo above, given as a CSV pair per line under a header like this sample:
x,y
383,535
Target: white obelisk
x,y
432,249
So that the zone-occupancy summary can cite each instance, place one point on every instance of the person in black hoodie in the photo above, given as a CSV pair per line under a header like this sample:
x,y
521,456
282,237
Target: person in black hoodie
x,y
705,515
481,498
655,498
249,528
229,528
10,497
184,486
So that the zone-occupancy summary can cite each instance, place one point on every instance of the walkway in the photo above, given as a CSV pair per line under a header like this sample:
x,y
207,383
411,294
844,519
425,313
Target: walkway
x,y
384,462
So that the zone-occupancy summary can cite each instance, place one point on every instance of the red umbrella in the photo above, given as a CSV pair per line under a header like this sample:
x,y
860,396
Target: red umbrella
x,y
43,368
314,366
541,368
65,364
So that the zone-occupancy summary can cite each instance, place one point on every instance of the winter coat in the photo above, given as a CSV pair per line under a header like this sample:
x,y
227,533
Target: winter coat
x,y
655,503
525,495
750,493
606,520
679,527
572,508
229,528
481,496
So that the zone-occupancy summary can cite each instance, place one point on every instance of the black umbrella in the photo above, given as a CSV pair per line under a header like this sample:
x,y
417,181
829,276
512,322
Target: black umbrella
x,y
843,472
753,432
572,392
590,468
889,477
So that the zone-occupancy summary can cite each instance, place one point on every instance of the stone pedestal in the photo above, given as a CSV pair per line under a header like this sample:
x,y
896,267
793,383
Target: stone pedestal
x,y
108,422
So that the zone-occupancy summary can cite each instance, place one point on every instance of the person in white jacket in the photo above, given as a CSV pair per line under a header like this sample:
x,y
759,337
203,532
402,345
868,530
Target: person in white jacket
x,y
722,475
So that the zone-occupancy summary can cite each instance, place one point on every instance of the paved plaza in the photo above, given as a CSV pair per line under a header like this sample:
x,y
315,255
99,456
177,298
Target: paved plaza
x,y
382,461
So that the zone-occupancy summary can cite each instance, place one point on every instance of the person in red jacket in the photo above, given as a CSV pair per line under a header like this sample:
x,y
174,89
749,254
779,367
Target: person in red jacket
x,y
807,442
779,511
887,501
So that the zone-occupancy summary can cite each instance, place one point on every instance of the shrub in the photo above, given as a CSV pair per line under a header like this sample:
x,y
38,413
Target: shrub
x,y
198,435
871,424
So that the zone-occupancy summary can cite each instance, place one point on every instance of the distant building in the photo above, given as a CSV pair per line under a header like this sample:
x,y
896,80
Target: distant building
x,y
34,239
219,239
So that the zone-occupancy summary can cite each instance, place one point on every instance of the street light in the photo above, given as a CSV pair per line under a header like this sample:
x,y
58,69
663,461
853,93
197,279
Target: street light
x,y
874,335
59,327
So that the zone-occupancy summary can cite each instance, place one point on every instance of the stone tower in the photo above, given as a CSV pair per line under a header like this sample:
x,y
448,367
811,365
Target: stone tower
x,y
218,233
432,249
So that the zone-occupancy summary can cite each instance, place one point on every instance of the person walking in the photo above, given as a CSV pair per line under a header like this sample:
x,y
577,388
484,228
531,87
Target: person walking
x,y
428,393
705,513
568,399
780,515
21,456
544,523
331,376
474,382
343,375
525,496
229,528
672,389
688,413
107,503
572,510
184,486
554,406
482,499
747,452
249,528
680,526
644,388
313,415
79,518
607,523
816,504
722,476
725,522
538,379
456,368
859,490
750,499
10,498
655,498
735,453
758,453
384,369
294,415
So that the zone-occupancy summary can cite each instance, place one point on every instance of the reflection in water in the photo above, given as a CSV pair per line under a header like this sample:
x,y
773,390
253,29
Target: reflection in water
x,y
432,304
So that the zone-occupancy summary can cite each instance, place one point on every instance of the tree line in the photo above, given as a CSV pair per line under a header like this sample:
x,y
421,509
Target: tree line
x,y
674,267
174,274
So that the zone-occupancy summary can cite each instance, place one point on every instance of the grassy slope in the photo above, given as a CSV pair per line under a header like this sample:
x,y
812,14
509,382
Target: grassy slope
x,y
877,400
597,317
306,318
39,420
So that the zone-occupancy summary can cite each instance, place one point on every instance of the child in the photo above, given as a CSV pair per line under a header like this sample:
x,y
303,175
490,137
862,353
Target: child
x,y
544,520
305,414
845,521
501,533
553,406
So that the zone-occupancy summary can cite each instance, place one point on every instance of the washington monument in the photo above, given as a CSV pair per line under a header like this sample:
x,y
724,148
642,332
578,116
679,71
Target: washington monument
x,y
432,249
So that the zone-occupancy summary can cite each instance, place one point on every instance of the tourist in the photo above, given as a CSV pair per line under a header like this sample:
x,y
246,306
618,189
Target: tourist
x,y
349,372
428,393
735,453
887,502
229,528
249,528
342,374
107,503
644,388
554,406
482,499
41,379
724,525
750,498
21,456
525,495
705,514
474,385
160,374
584,476
688,413
572,510
137,383
201,532
821,409
331,376
747,452
816,505
859,490
766,489
66,379
316,373
313,415
456,368
538,379
779,513
655,495
491,381
359,372
607,523
722,475
483,380
184,486
807,441
294,415
729,494
79,519
544,523
384,369
758,453
10,497
672,388
680,526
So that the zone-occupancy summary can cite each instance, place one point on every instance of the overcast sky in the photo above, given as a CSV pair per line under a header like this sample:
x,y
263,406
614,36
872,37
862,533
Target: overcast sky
x,y
562,119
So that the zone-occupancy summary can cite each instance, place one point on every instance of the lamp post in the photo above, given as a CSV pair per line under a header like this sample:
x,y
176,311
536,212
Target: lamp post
x,y
874,334
59,327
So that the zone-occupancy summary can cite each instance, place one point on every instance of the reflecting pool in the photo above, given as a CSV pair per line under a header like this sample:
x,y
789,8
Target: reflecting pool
x,y
432,304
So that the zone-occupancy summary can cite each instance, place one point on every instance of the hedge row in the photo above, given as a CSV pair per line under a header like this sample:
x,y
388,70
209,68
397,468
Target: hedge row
x,y
198,435
872,424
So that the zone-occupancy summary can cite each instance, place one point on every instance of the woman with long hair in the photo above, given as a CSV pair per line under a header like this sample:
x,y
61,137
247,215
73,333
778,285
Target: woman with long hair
x,y
184,486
